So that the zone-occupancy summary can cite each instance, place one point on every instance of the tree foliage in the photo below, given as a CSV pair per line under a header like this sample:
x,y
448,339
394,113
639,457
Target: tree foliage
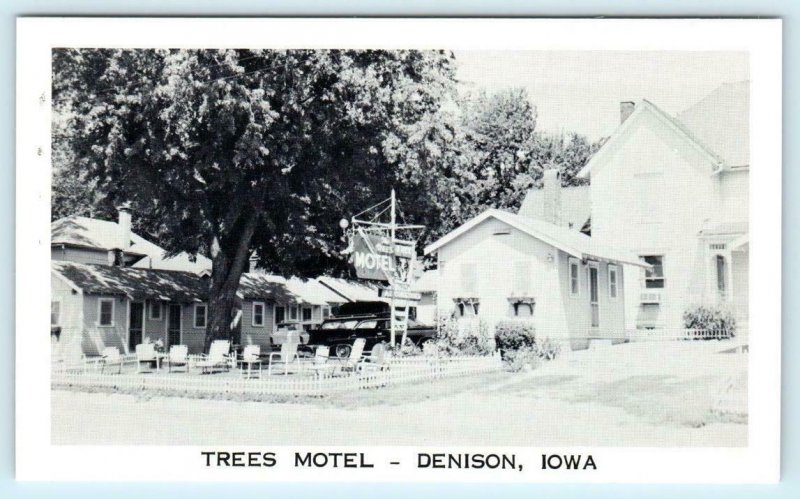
x,y
226,152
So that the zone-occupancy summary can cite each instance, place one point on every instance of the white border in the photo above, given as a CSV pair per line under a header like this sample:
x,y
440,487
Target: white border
x,y
37,459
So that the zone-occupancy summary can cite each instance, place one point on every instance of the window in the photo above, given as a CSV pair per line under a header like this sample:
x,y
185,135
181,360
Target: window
x,y
258,314
326,312
200,313
280,314
654,277
155,311
293,313
55,313
371,324
306,314
612,281
574,278
105,316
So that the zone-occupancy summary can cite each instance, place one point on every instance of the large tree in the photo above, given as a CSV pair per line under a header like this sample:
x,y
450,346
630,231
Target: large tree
x,y
230,152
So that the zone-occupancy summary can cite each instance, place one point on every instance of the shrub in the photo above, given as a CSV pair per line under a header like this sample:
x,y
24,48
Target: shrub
x,y
466,337
523,359
514,335
520,347
710,317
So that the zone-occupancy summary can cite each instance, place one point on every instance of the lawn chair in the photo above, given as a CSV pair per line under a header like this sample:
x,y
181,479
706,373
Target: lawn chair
x,y
250,357
217,356
377,361
319,363
356,353
178,356
145,353
287,354
110,357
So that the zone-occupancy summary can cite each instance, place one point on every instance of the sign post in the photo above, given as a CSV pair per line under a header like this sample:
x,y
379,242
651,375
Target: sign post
x,y
378,254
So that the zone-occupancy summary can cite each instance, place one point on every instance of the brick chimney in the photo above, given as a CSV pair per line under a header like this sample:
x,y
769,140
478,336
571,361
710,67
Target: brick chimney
x,y
551,199
625,110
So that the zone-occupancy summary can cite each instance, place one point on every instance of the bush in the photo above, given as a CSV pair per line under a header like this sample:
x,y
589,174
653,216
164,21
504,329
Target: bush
x,y
520,347
523,359
710,317
468,337
514,335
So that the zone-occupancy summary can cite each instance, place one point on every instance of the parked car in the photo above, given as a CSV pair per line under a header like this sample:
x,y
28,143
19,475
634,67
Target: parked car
x,y
368,320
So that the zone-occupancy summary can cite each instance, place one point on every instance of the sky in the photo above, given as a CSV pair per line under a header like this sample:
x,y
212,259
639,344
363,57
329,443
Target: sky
x,y
581,91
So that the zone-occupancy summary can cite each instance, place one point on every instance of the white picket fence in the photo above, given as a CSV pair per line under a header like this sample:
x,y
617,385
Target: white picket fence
x,y
300,383
670,334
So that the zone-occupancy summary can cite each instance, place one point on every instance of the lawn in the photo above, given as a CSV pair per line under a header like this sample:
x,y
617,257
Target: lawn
x,y
645,394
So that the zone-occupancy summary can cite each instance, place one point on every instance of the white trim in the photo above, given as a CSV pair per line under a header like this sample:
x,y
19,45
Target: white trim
x,y
253,314
613,268
622,129
151,308
194,316
574,261
100,311
520,224
67,281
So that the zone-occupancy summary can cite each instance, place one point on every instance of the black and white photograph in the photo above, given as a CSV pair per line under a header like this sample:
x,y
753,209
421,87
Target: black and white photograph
x,y
401,247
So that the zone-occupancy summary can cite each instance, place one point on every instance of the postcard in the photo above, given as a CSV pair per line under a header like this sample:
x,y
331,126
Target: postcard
x,y
501,250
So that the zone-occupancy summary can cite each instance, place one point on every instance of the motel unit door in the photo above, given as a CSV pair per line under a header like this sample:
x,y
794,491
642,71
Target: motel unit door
x,y
135,325
594,297
173,324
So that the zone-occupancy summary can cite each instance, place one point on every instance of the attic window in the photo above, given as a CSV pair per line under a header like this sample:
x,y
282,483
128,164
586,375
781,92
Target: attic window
x,y
502,232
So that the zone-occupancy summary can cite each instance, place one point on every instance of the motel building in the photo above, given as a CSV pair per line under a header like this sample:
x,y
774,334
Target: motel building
x,y
503,266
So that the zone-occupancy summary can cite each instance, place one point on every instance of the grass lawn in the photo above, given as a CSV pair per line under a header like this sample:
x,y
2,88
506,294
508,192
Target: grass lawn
x,y
645,394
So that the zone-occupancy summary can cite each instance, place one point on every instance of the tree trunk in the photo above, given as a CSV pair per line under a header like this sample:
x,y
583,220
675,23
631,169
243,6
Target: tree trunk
x,y
228,264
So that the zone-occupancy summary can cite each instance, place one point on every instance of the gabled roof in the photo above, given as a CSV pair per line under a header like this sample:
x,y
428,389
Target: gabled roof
x,y
138,284
628,125
352,291
267,287
103,235
568,240
576,205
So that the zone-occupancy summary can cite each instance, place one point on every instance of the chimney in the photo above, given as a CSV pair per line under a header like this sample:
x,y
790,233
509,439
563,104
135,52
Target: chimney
x,y
124,223
551,198
625,110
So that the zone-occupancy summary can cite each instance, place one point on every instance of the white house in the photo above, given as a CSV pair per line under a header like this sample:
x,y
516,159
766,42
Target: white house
x,y
501,266
674,191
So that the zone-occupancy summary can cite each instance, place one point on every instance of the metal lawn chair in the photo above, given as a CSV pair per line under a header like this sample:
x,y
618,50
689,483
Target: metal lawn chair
x,y
178,357
287,355
217,356
356,353
319,363
251,357
145,353
110,357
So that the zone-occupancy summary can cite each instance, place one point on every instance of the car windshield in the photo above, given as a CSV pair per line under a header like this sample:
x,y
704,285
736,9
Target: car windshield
x,y
339,325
